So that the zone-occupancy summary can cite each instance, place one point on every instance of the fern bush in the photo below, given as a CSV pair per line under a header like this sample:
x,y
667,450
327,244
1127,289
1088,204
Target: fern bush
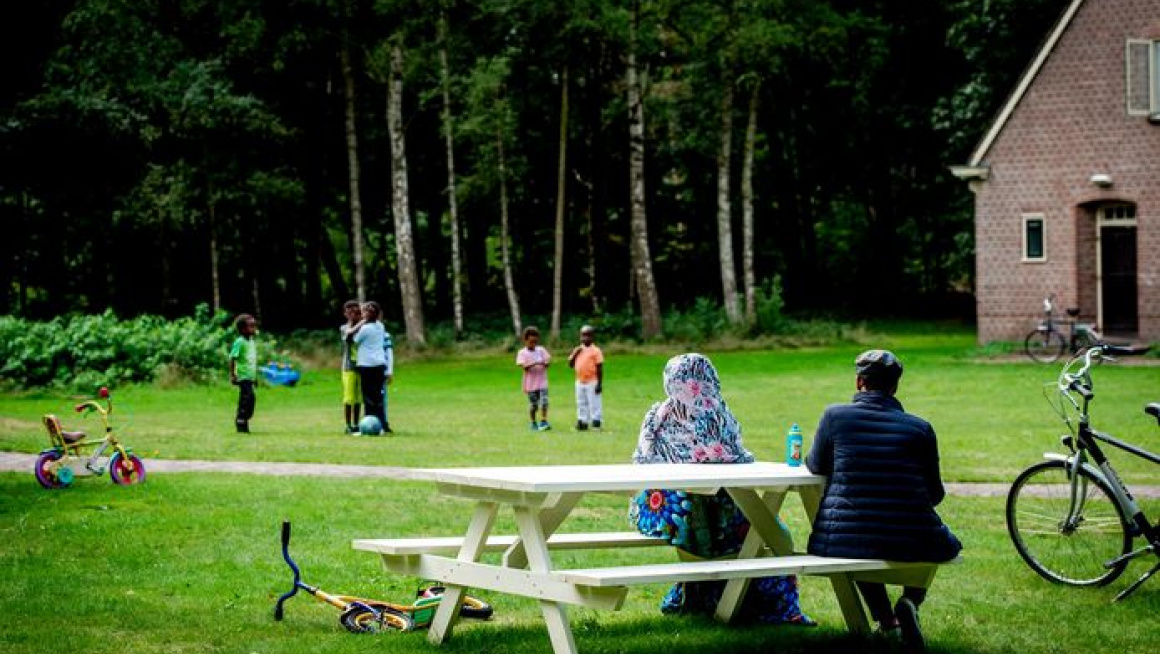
x,y
83,352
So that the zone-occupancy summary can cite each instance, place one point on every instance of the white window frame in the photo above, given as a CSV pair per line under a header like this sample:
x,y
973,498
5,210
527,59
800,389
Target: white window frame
x,y
1153,67
1028,218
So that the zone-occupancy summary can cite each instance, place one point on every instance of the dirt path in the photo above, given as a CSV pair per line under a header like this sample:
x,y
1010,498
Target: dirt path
x,y
20,462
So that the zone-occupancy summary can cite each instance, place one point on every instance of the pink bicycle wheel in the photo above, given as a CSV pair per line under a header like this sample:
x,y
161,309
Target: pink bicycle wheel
x,y
126,471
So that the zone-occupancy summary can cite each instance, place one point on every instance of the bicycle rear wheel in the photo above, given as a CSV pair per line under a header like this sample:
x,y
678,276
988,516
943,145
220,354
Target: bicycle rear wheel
x,y
1044,346
361,619
1067,552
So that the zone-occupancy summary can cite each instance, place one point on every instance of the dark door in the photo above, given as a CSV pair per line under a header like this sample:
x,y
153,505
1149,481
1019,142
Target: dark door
x,y
1118,274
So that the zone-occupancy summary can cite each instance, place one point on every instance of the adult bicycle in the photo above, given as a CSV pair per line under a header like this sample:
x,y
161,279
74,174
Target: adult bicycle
x,y
1047,342
1071,517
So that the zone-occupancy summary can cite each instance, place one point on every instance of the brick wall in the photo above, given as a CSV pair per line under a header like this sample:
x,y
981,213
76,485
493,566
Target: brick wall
x,y
1071,124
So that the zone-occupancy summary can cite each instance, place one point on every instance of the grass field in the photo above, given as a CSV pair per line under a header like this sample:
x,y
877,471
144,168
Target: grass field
x,y
190,561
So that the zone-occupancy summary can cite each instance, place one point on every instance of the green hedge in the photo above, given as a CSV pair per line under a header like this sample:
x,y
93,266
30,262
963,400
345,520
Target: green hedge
x,y
84,352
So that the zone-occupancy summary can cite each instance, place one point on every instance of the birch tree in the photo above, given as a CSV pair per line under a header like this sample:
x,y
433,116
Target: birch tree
x,y
400,204
452,198
487,125
650,306
561,202
353,169
748,276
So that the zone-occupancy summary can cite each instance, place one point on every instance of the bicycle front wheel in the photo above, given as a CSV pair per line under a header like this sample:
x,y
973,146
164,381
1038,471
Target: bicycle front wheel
x,y
1067,549
1044,346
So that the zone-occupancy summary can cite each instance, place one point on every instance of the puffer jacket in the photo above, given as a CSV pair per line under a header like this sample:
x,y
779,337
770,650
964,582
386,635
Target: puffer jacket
x,y
884,482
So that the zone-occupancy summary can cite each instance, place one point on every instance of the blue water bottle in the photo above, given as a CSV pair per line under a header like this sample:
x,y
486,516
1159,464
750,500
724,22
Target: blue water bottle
x,y
793,446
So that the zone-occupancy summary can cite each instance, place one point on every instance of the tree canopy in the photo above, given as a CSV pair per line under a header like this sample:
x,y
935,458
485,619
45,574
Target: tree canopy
x,y
160,154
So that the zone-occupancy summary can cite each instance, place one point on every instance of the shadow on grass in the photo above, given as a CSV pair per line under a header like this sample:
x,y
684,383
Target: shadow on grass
x,y
603,633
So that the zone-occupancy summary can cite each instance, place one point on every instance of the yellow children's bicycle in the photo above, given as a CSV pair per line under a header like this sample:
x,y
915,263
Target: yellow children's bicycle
x,y
58,466
362,615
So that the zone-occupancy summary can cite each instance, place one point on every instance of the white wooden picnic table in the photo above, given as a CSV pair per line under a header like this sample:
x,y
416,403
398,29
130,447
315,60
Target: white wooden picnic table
x,y
542,497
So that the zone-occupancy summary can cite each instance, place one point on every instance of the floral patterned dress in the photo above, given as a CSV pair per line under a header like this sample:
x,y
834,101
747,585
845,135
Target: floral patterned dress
x,y
694,425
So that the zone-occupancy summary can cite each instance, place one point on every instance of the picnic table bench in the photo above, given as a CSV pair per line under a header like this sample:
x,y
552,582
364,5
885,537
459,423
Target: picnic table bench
x,y
541,497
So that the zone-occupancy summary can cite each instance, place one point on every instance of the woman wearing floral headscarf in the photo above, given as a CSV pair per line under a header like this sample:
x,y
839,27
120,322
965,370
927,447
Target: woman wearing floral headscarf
x,y
694,425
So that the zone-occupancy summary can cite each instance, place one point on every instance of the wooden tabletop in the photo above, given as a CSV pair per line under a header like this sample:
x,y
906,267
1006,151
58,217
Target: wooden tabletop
x,y
620,477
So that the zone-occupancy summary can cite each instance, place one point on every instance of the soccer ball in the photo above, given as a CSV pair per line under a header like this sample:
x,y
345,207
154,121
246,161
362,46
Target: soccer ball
x,y
370,426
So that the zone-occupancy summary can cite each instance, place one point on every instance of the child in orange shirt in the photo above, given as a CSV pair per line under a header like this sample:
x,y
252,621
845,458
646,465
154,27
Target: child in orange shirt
x,y
588,361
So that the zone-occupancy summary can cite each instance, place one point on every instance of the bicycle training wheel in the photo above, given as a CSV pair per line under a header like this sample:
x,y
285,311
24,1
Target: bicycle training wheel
x,y
46,472
1072,553
360,619
1044,347
126,471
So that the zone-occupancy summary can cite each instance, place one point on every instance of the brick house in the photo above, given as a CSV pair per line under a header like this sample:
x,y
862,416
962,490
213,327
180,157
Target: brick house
x,y
1067,179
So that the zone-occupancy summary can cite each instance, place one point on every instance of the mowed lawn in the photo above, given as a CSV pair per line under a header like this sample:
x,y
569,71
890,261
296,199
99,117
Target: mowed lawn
x,y
191,562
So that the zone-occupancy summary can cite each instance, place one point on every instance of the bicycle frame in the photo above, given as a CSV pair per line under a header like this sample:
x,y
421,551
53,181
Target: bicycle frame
x,y
1085,444
100,446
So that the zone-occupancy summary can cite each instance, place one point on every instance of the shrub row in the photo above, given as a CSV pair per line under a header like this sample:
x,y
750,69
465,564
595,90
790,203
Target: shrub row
x,y
84,352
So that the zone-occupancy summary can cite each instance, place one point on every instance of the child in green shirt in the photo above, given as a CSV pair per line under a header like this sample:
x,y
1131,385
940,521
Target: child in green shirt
x,y
244,370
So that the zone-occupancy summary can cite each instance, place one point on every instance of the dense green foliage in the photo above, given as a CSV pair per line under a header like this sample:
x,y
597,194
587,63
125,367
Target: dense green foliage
x,y
157,154
84,352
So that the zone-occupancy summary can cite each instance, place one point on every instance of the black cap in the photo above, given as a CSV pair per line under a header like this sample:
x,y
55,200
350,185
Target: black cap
x,y
879,366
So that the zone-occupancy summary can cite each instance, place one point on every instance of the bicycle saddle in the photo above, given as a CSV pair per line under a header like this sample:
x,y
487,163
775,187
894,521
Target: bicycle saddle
x,y
1073,312
52,423
1153,409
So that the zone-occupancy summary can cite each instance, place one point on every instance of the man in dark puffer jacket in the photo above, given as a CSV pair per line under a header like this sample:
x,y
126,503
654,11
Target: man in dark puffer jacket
x,y
884,482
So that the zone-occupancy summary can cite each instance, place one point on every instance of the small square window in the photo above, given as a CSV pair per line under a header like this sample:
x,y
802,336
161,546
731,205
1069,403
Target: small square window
x,y
1034,238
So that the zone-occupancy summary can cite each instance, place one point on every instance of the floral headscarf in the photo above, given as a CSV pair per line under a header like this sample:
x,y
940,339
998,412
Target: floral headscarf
x,y
694,425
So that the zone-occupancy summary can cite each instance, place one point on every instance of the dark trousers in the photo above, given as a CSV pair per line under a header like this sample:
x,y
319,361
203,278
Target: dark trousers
x,y
246,401
879,603
373,380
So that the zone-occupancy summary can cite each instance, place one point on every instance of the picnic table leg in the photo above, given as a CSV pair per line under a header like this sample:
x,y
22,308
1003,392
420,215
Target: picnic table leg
x,y
762,515
550,519
473,542
763,511
535,545
811,499
851,604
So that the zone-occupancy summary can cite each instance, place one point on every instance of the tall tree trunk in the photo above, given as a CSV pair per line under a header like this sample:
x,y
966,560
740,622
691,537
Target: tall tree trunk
x,y
404,243
214,274
354,172
509,283
725,208
452,202
749,278
561,199
590,235
650,306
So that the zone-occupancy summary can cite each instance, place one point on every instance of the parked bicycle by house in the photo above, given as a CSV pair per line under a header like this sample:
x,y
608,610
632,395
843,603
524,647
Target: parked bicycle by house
x,y
1048,342
1072,517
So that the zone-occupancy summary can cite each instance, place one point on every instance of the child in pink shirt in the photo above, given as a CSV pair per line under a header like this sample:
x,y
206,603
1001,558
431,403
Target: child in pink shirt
x,y
534,359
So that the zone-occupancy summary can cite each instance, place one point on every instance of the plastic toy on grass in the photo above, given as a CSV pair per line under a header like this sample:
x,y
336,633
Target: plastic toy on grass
x,y
361,615
281,373
58,466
